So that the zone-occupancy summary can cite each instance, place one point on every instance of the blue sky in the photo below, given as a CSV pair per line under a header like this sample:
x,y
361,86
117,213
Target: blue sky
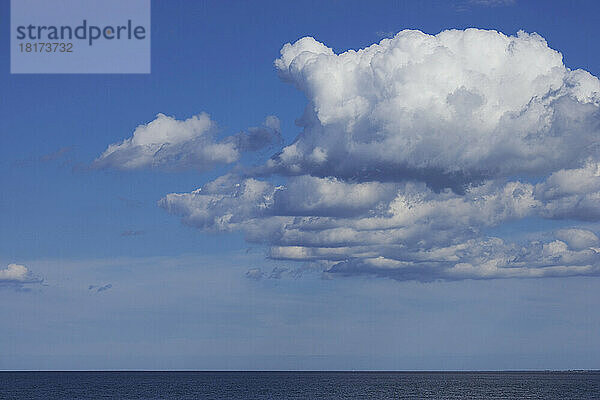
x,y
181,296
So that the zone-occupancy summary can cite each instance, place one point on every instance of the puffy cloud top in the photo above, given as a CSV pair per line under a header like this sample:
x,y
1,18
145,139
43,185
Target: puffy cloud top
x,y
14,272
447,108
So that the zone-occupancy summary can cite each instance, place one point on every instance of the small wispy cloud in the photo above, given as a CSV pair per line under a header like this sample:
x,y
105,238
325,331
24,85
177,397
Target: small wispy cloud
x,y
58,155
55,155
386,34
467,5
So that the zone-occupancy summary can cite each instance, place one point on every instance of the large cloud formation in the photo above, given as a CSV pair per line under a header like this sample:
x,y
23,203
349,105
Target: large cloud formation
x,y
189,144
447,109
412,149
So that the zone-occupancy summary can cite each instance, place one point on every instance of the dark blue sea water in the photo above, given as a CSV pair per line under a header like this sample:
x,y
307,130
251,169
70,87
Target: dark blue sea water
x,y
300,385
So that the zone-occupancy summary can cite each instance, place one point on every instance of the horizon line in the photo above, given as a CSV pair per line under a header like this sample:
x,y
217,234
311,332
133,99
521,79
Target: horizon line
x,y
313,370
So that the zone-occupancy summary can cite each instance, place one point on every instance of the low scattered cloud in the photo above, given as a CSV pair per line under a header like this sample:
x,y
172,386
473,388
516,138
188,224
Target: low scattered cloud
x,y
417,234
171,144
100,288
276,273
411,150
132,233
18,276
255,274
492,3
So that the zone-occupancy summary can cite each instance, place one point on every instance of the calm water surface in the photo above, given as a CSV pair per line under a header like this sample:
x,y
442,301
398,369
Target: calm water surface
x,y
300,385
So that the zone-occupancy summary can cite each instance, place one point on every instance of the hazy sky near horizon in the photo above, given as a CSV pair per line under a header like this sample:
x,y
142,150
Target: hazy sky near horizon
x,y
272,197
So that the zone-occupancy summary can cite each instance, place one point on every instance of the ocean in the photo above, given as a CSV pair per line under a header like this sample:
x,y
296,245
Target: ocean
x,y
300,385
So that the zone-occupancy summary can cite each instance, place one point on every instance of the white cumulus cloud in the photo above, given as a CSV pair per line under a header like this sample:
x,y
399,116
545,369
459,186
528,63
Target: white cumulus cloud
x,y
404,231
17,275
413,150
447,109
172,144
